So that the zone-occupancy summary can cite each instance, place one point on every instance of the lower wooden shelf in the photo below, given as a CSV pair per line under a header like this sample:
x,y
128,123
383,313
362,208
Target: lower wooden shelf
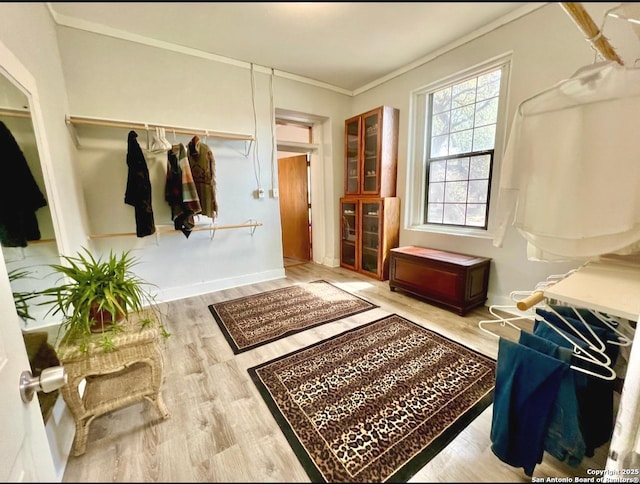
x,y
370,228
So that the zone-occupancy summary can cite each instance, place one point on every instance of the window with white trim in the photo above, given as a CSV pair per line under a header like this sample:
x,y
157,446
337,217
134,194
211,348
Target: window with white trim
x,y
455,126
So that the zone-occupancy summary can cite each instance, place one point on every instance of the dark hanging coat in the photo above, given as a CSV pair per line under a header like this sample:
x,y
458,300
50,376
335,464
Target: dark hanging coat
x,y
138,192
20,197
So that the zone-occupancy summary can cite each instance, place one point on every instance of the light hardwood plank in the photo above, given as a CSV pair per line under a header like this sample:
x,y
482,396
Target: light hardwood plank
x,y
220,429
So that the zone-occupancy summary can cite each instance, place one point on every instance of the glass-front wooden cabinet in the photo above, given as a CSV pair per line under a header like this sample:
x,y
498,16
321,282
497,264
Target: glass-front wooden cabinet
x,y
371,153
370,229
369,210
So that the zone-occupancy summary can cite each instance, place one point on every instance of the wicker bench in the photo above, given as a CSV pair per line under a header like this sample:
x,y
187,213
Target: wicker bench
x,y
129,374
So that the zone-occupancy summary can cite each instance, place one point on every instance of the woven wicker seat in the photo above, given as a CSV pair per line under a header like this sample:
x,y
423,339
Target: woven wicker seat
x,y
130,373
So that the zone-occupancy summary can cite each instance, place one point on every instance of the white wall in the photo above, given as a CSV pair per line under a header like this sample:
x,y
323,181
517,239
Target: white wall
x,y
117,79
546,47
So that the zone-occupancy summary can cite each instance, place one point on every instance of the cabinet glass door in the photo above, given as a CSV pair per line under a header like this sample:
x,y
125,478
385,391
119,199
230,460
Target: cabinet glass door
x,y
370,165
349,234
352,157
371,213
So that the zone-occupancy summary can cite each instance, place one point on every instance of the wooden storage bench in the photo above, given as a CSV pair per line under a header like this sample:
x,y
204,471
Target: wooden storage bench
x,y
455,281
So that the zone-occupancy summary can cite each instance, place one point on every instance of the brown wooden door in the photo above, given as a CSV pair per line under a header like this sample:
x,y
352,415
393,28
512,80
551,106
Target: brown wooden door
x,y
294,207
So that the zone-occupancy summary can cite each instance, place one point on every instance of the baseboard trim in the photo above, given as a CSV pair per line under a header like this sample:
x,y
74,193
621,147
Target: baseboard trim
x,y
181,292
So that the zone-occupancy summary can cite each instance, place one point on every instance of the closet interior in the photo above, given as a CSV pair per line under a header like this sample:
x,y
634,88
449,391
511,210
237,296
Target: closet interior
x,y
565,346
583,321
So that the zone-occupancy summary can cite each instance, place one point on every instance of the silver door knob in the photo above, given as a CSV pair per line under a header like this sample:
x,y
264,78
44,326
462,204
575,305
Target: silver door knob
x,y
49,380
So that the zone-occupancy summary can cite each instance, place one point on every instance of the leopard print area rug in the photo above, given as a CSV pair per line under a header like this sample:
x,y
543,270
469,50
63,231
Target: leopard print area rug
x,y
252,321
377,402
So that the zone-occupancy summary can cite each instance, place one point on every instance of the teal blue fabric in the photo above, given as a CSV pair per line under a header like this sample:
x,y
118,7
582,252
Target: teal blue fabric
x,y
527,384
563,438
595,395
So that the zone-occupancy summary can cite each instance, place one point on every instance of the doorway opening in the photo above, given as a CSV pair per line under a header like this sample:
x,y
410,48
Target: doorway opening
x,y
295,143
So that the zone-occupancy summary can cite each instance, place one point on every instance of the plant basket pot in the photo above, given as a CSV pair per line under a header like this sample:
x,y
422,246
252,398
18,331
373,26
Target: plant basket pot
x,y
102,319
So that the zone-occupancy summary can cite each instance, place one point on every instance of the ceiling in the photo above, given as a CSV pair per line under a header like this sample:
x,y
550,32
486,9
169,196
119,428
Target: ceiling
x,y
346,45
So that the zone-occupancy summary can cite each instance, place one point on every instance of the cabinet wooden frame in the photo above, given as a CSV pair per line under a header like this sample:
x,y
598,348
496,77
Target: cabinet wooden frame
x,y
371,153
370,229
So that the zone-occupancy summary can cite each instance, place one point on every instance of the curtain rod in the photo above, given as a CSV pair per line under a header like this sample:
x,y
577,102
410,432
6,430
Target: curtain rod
x,y
588,27
115,123
174,231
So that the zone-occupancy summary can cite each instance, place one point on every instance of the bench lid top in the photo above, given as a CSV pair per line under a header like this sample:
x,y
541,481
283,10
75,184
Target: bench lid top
x,y
441,255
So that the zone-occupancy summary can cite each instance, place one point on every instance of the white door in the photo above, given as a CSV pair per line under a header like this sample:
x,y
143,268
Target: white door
x,y
25,454
24,448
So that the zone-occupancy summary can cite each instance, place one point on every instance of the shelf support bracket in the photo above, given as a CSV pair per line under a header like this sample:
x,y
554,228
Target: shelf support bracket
x,y
252,228
72,131
249,143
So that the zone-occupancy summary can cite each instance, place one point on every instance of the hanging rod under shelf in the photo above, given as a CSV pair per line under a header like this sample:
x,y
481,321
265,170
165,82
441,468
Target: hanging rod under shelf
x,y
15,113
115,123
174,231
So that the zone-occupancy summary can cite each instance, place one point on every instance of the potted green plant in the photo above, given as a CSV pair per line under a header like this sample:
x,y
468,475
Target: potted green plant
x,y
97,295
22,298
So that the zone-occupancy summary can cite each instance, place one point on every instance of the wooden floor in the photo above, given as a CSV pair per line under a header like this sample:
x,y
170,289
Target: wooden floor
x,y
288,262
220,429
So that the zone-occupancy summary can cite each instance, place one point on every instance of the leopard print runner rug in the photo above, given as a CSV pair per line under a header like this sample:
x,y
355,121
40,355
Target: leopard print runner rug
x,y
252,321
377,402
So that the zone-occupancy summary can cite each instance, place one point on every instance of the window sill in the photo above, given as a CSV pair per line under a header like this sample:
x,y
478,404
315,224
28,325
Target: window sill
x,y
448,230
